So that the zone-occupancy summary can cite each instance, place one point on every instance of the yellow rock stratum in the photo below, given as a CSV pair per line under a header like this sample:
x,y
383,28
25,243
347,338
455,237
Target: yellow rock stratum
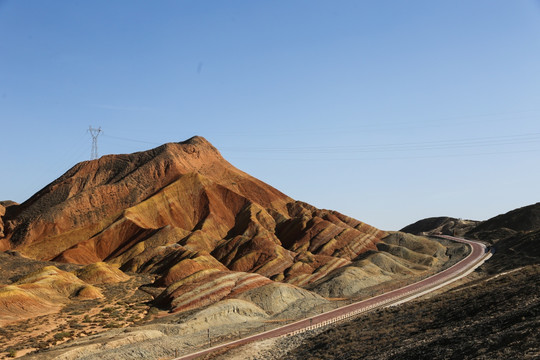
x,y
42,292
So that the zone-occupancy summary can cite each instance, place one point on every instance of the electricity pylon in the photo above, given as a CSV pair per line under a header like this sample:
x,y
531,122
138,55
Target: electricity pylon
x,y
94,133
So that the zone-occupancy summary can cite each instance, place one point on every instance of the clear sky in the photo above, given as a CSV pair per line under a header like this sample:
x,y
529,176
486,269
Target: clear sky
x,y
389,111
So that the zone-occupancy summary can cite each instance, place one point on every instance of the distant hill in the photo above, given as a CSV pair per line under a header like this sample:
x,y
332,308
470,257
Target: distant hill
x,y
524,219
514,235
440,225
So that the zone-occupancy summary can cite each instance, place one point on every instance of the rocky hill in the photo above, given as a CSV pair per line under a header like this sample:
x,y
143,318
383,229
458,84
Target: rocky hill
x,y
204,241
183,212
524,219
3,208
515,236
441,225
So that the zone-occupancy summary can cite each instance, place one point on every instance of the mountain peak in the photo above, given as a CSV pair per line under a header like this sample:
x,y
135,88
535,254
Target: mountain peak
x,y
196,140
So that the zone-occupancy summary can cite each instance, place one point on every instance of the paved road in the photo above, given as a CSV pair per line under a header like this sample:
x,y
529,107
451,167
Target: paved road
x,y
474,259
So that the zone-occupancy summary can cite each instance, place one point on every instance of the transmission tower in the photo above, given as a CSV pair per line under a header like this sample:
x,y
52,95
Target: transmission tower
x,y
94,133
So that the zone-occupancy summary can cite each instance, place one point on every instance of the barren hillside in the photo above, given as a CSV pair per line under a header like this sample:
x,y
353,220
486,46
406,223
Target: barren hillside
x,y
200,241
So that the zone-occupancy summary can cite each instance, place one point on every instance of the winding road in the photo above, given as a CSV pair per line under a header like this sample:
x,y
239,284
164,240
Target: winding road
x,y
476,257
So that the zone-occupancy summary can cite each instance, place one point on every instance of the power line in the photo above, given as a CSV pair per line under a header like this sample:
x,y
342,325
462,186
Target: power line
x,y
399,147
132,140
399,157
406,150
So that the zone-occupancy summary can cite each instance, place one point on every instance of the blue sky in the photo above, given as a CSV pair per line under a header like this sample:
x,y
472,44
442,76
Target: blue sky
x,y
387,111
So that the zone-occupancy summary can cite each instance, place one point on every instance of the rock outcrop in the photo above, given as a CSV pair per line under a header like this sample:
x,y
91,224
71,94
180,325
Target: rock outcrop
x,y
4,205
101,273
2,213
